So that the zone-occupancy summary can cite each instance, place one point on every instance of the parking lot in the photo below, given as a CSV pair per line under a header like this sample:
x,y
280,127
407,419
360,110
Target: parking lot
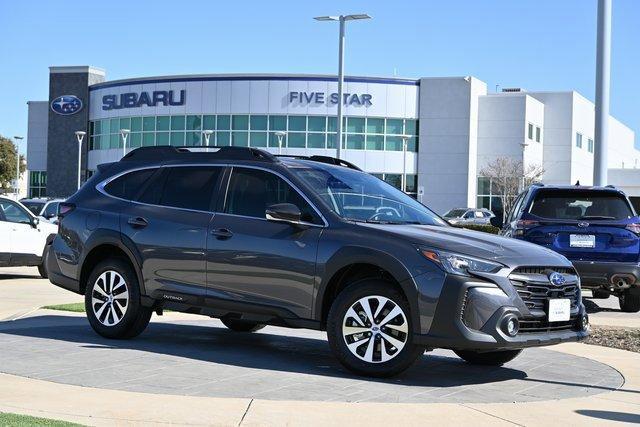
x,y
186,356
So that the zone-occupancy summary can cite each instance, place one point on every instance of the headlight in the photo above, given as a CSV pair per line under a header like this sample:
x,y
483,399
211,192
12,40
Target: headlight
x,y
460,264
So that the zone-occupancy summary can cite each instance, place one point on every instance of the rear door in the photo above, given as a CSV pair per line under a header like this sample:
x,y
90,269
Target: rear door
x,y
27,241
258,262
584,225
168,224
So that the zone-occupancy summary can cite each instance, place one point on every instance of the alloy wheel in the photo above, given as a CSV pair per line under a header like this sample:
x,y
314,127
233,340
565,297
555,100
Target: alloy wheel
x,y
375,329
110,298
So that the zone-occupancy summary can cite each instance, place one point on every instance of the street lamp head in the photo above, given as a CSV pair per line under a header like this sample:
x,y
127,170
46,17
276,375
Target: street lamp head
x,y
356,16
280,134
327,18
18,137
80,135
124,132
207,132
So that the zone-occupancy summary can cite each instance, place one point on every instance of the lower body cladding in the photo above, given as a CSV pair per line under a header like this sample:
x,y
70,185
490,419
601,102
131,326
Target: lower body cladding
x,y
615,276
473,314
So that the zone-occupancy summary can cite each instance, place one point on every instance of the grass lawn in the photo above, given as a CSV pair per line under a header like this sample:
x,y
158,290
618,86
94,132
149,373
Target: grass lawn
x,y
77,307
25,420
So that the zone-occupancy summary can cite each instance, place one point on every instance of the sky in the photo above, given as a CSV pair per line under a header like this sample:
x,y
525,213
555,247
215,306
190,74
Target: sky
x,y
532,44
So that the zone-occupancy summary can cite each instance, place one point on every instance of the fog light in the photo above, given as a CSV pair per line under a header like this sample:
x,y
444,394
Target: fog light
x,y
511,326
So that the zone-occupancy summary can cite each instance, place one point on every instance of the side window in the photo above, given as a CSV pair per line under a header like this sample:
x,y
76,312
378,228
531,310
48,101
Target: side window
x,y
468,215
479,214
51,210
251,191
189,187
127,186
516,206
11,212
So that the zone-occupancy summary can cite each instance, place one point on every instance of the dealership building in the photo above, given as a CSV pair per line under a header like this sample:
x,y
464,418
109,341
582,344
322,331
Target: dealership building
x,y
441,131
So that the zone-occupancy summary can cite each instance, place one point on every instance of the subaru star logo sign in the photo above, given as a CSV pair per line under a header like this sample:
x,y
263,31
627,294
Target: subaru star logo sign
x,y
583,224
66,105
557,279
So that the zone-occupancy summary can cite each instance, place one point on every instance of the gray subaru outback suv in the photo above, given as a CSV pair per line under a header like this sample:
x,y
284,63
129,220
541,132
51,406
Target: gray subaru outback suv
x,y
253,239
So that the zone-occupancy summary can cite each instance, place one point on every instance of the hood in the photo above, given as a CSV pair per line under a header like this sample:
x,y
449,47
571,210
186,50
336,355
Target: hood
x,y
511,252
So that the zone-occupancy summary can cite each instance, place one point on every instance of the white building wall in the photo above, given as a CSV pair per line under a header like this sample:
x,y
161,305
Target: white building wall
x,y
37,129
219,96
622,151
627,180
448,141
503,129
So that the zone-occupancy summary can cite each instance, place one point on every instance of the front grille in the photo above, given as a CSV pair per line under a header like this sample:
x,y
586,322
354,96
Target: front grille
x,y
540,326
535,289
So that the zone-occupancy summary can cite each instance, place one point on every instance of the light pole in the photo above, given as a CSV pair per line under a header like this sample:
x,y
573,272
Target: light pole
x,y
79,137
405,138
603,68
124,133
280,134
342,19
524,146
207,136
17,138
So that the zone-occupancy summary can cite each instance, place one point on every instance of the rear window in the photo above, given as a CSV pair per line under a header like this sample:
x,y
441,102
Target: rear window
x,y
576,205
127,186
34,207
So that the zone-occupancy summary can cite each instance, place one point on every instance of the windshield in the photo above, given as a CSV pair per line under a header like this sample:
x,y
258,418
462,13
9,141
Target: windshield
x,y
34,207
582,204
455,213
358,196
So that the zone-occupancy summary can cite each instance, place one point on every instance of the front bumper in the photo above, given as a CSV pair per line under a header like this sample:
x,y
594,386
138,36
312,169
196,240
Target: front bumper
x,y
598,274
468,319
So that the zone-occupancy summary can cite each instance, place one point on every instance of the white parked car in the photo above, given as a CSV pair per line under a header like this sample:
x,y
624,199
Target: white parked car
x,y
23,237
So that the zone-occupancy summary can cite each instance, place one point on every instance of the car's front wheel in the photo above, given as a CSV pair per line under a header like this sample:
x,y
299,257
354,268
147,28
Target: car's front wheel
x,y
112,300
630,300
369,329
489,358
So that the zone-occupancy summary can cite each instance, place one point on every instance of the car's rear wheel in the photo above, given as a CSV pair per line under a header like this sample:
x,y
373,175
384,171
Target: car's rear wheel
x,y
42,268
112,300
490,358
630,300
239,325
369,328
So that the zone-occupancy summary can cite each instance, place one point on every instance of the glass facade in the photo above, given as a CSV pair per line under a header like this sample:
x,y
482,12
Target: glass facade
x,y
488,196
243,130
37,183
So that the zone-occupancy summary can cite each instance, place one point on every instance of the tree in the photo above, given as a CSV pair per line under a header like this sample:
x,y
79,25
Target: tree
x,y
8,163
508,177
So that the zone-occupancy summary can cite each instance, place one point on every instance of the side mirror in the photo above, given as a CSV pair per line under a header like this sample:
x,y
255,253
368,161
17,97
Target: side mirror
x,y
35,222
284,212
496,222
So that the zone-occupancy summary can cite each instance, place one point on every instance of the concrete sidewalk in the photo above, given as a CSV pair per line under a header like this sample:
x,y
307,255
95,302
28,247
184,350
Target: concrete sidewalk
x,y
109,407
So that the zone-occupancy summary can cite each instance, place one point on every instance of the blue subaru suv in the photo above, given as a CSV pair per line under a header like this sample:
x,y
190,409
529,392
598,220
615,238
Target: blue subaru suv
x,y
596,228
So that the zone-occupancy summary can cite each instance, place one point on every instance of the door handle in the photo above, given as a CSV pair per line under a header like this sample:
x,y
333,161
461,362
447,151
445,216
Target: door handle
x,y
222,233
137,222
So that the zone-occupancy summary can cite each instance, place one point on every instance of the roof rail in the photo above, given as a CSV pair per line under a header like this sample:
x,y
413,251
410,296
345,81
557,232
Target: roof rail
x,y
168,152
323,159
537,184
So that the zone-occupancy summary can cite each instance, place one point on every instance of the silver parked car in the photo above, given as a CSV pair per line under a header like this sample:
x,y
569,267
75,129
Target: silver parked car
x,y
468,216
46,208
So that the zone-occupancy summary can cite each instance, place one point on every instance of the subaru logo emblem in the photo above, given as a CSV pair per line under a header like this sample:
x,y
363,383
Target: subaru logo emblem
x,y
583,224
66,105
557,279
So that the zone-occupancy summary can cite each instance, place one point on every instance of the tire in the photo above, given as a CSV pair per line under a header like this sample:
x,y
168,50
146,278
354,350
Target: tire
x,y
348,311
42,268
238,325
491,358
121,317
599,294
630,300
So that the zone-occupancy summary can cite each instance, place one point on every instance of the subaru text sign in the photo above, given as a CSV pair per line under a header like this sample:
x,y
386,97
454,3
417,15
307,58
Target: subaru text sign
x,y
135,100
330,99
66,105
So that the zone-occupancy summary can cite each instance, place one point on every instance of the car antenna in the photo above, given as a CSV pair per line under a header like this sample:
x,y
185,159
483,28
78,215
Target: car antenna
x,y
578,183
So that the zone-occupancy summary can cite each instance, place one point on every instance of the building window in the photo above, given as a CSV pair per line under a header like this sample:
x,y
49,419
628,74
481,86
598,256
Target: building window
x,y
488,196
538,132
578,140
372,133
590,145
37,183
530,131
